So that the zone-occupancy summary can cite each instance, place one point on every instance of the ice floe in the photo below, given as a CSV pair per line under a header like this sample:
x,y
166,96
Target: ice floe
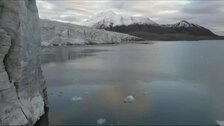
x,y
101,121
77,98
220,123
129,99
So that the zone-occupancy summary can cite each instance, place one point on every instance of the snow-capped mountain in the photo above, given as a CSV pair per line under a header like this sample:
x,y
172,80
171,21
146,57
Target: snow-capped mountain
x,y
58,33
147,29
182,24
188,28
112,19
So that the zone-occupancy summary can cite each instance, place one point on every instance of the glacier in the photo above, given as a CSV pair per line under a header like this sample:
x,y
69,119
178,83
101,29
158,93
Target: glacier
x,y
23,93
59,33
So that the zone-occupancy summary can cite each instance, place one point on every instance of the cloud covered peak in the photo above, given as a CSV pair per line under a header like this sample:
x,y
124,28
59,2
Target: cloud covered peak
x,y
110,18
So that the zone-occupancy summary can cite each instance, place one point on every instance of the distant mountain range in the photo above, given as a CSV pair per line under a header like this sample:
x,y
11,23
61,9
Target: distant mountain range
x,y
147,29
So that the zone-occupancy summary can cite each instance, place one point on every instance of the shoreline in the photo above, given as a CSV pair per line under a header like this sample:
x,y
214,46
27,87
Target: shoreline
x,y
134,42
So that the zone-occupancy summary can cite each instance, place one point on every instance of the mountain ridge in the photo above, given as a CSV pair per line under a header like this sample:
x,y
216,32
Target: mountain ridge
x,y
182,30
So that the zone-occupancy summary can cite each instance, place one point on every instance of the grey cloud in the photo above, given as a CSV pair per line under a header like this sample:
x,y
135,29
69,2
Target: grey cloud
x,y
67,18
121,4
204,7
205,13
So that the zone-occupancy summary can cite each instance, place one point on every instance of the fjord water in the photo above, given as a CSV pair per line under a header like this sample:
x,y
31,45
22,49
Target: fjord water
x,y
174,83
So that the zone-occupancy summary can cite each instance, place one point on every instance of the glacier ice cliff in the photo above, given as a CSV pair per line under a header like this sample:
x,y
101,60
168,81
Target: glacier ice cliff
x,y
58,33
22,86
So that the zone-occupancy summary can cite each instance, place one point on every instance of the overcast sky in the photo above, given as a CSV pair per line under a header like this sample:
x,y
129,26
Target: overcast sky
x,y
208,13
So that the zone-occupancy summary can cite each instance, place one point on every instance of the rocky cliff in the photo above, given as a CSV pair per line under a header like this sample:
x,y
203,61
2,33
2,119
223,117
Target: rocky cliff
x,y
58,33
22,87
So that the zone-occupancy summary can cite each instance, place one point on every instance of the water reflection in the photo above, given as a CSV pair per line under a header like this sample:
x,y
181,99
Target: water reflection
x,y
174,84
180,103
63,54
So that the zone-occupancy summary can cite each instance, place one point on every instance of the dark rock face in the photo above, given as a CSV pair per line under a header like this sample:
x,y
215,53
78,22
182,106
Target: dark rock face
x,y
22,87
179,31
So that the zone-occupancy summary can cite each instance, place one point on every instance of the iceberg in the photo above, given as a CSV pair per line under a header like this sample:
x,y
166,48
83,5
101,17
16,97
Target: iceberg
x,y
101,121
129,99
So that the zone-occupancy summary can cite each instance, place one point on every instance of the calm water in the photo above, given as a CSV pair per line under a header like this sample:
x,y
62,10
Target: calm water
x,y
173,82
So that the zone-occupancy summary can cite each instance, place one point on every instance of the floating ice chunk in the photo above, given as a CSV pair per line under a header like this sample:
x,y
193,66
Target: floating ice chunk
x,y
101,121
77,98
129,99
86,92
145,93
220,123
